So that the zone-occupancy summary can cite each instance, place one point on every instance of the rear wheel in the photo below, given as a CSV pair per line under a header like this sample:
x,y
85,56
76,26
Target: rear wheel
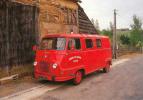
x,y
78,77
107,68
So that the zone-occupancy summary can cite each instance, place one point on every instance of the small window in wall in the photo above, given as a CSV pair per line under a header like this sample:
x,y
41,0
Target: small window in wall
x,y
89,43
74,42
98,43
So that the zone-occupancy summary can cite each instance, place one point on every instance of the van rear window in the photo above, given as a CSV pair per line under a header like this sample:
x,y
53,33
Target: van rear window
x,y
89,43
98,43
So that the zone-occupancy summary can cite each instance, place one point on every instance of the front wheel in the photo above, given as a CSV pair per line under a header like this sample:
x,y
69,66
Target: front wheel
x,y
78,78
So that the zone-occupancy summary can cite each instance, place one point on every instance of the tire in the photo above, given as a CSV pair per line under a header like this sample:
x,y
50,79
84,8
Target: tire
x,y
106,69
78,78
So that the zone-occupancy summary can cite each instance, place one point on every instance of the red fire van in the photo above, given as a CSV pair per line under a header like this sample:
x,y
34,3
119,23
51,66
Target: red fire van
x,y
64,57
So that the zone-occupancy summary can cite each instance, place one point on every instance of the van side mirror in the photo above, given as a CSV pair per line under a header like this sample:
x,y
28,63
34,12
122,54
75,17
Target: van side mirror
x,y
35,47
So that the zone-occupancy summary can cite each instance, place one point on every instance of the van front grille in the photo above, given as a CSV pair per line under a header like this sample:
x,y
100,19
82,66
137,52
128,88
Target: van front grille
x,y
43,67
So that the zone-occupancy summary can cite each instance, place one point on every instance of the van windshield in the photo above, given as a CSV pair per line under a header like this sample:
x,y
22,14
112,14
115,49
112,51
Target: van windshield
x,y
53,44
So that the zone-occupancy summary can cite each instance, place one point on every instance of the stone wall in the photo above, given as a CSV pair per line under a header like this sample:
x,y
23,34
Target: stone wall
x,y
58,16
61,16
55,16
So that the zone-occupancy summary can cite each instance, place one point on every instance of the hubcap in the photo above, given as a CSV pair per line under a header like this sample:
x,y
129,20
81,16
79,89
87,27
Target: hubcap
x,y
78,77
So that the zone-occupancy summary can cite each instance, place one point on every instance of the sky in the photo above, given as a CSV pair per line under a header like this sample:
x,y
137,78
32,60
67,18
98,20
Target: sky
x,y
102,10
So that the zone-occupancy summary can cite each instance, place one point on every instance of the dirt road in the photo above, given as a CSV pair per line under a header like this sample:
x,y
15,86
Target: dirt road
x,y
124,82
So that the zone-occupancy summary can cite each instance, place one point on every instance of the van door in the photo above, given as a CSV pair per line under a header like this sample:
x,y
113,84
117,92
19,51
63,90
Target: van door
x,y
89,54
99,51
73,59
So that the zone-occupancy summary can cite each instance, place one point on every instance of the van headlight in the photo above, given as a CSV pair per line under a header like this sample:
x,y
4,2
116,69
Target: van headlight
x,y
55,66
35,63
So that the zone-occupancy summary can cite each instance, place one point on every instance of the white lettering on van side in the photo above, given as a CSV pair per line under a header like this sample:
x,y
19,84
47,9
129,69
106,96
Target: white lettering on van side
x,y
74,57
75,61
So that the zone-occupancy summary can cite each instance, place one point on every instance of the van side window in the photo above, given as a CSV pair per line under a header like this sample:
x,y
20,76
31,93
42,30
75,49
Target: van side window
x,y
89,43
75,42
98,43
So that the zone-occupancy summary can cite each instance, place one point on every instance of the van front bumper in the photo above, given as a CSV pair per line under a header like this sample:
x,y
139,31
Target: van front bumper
x,y
52,77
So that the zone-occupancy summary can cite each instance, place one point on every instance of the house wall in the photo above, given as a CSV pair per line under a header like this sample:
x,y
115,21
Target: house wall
x,y
61,16
58,16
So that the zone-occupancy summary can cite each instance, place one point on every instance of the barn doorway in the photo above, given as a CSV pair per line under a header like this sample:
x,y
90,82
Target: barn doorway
x,y
18,33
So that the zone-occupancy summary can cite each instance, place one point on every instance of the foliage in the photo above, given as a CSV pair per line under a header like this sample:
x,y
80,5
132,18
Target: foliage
x,y
107,33
136,32
139,44
137,23
95,24
125,40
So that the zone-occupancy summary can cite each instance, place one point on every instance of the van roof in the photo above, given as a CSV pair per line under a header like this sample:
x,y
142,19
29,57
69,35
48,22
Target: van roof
x,y
75,35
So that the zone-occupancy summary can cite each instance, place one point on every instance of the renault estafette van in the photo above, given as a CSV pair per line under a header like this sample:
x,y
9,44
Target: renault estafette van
x,y
64,57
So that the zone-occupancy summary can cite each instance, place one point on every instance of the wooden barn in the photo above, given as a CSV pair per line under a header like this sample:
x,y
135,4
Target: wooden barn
x,y
23,22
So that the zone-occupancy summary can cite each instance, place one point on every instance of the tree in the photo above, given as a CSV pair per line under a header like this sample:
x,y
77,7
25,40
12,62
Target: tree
x,y
140,45
136,31
111,26
92,21
137,23
95,24
107,32
125,40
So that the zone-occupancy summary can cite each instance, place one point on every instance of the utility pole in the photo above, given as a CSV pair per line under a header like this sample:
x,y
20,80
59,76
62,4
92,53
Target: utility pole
x,y
114,37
